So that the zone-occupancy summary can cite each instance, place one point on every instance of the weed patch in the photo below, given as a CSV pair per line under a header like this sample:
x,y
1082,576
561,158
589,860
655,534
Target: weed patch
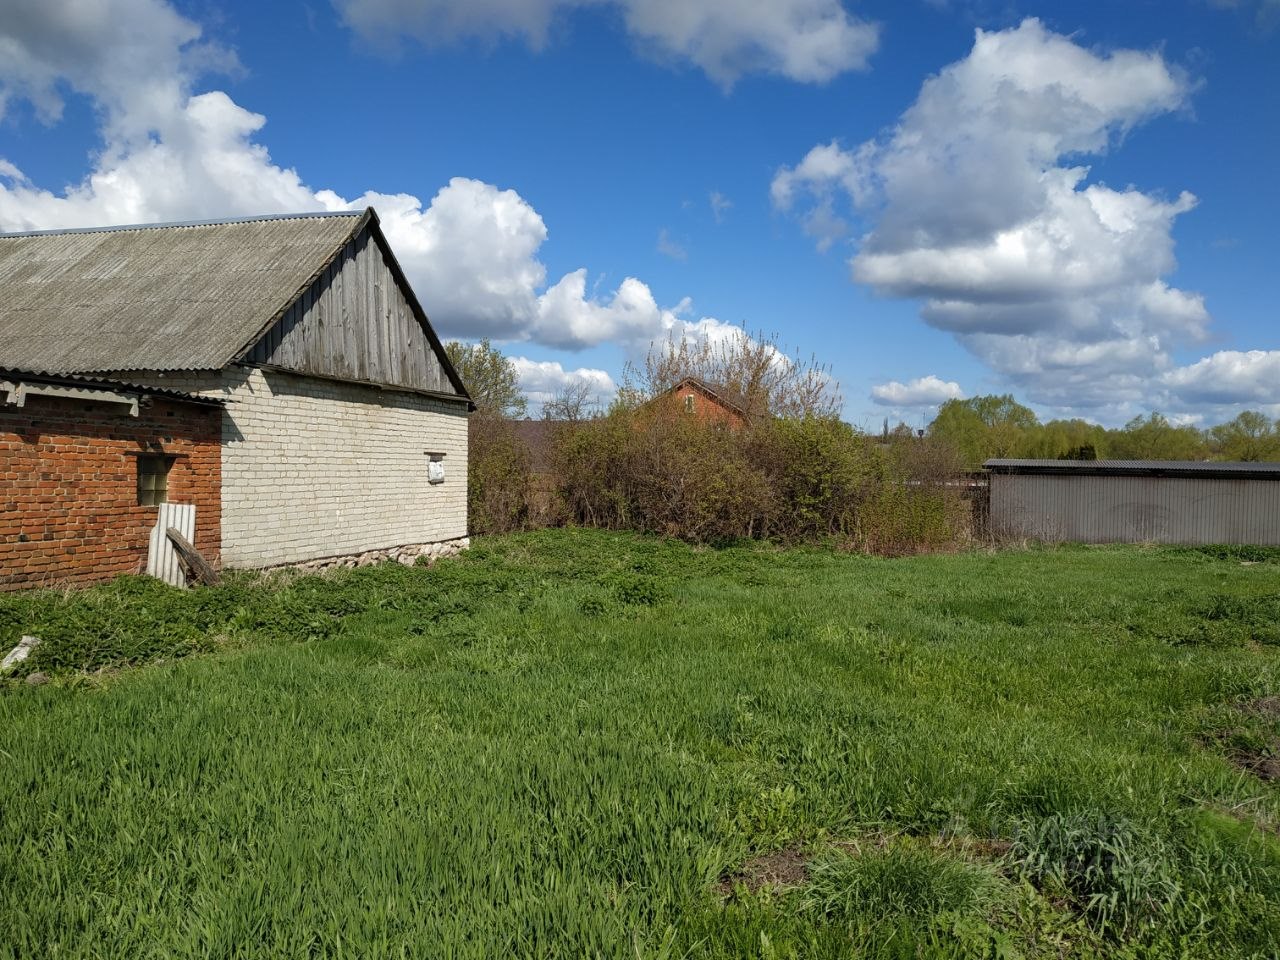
x,y
638,590
900,881
1231,620
1230,552
1120,875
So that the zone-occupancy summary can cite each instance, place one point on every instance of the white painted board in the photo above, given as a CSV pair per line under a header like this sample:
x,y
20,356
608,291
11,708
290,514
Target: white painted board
x,y
162,558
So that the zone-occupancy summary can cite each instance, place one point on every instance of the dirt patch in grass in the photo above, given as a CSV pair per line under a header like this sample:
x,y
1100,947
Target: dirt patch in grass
x,y
1266,707
779,870
1263,764
1251,742
789,867
982,848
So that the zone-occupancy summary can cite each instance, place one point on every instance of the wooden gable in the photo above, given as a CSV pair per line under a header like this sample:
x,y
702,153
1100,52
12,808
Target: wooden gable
x,y
360,321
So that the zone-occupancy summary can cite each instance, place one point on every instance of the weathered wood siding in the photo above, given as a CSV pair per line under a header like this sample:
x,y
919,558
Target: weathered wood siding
x,y
355,323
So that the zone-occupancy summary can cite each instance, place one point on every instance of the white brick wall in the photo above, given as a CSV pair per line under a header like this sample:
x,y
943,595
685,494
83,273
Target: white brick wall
x,y
315,468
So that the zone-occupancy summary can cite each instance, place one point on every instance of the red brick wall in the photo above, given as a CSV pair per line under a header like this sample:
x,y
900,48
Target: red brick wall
x,y
69,509
706,410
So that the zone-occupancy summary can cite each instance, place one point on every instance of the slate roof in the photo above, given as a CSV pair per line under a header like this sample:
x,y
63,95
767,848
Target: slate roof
x,y
188,296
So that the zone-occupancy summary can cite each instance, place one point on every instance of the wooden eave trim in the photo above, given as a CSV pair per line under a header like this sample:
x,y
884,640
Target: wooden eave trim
x,y
389,387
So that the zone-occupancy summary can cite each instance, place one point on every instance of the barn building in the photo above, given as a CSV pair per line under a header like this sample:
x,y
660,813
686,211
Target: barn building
x,y
276,372
1135,501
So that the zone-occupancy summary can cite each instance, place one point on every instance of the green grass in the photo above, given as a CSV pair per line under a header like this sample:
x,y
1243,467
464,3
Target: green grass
x,y
568,743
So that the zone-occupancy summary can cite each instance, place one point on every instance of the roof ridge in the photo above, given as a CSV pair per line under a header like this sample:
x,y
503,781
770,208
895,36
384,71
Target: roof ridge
x,y
1133,466
308,215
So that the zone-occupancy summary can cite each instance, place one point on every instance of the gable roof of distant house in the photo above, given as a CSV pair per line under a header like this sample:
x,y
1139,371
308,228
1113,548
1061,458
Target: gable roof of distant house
x,y
724,395
169,296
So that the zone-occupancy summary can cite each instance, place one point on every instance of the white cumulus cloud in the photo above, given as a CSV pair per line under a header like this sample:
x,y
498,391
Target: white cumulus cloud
x,y
172,153
978,205
1229,377
543,380
927,391
804,40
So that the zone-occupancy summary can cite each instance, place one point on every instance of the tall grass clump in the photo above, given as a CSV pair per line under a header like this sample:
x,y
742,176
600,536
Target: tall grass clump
x,y
1123,877
900,881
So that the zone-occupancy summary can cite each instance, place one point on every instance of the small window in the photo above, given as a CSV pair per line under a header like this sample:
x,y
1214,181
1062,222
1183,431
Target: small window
x,y
153,480
688,403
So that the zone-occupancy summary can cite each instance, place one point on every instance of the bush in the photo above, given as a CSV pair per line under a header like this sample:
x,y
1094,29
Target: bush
x,y
917,501
797,480
664,475
498,476
819,472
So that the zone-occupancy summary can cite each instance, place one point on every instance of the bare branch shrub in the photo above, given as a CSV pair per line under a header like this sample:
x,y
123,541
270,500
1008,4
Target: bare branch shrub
x,y
573,402
498,481
751,368
919,501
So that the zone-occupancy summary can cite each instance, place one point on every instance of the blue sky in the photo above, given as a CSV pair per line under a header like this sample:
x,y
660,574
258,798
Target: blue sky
x,y
1070,201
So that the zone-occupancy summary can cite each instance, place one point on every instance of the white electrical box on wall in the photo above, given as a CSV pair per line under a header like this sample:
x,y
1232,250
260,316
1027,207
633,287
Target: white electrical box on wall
x,y
435,467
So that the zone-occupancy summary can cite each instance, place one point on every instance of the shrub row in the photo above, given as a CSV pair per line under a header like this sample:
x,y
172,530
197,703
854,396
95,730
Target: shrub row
x,y
792,481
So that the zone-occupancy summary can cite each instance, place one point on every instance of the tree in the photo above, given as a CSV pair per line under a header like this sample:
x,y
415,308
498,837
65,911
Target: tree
x,y
1153,437
1066,440
752,367
490,377
571,403
1250,436
984,426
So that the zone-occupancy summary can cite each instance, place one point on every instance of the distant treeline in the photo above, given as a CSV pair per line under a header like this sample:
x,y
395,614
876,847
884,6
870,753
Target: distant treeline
x,y
998,426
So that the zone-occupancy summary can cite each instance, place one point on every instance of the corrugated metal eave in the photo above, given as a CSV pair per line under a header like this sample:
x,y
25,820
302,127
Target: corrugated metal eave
x,y
108,383
171,224
1173,469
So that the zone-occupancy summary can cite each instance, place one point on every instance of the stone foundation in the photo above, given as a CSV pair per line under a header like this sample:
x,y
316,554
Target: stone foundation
x,y
408,555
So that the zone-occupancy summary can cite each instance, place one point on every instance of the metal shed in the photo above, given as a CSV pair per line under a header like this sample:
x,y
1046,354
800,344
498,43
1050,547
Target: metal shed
x,y
1135,501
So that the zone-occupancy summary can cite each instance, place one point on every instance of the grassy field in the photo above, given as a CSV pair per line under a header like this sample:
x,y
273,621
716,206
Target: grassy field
x,y
584,744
